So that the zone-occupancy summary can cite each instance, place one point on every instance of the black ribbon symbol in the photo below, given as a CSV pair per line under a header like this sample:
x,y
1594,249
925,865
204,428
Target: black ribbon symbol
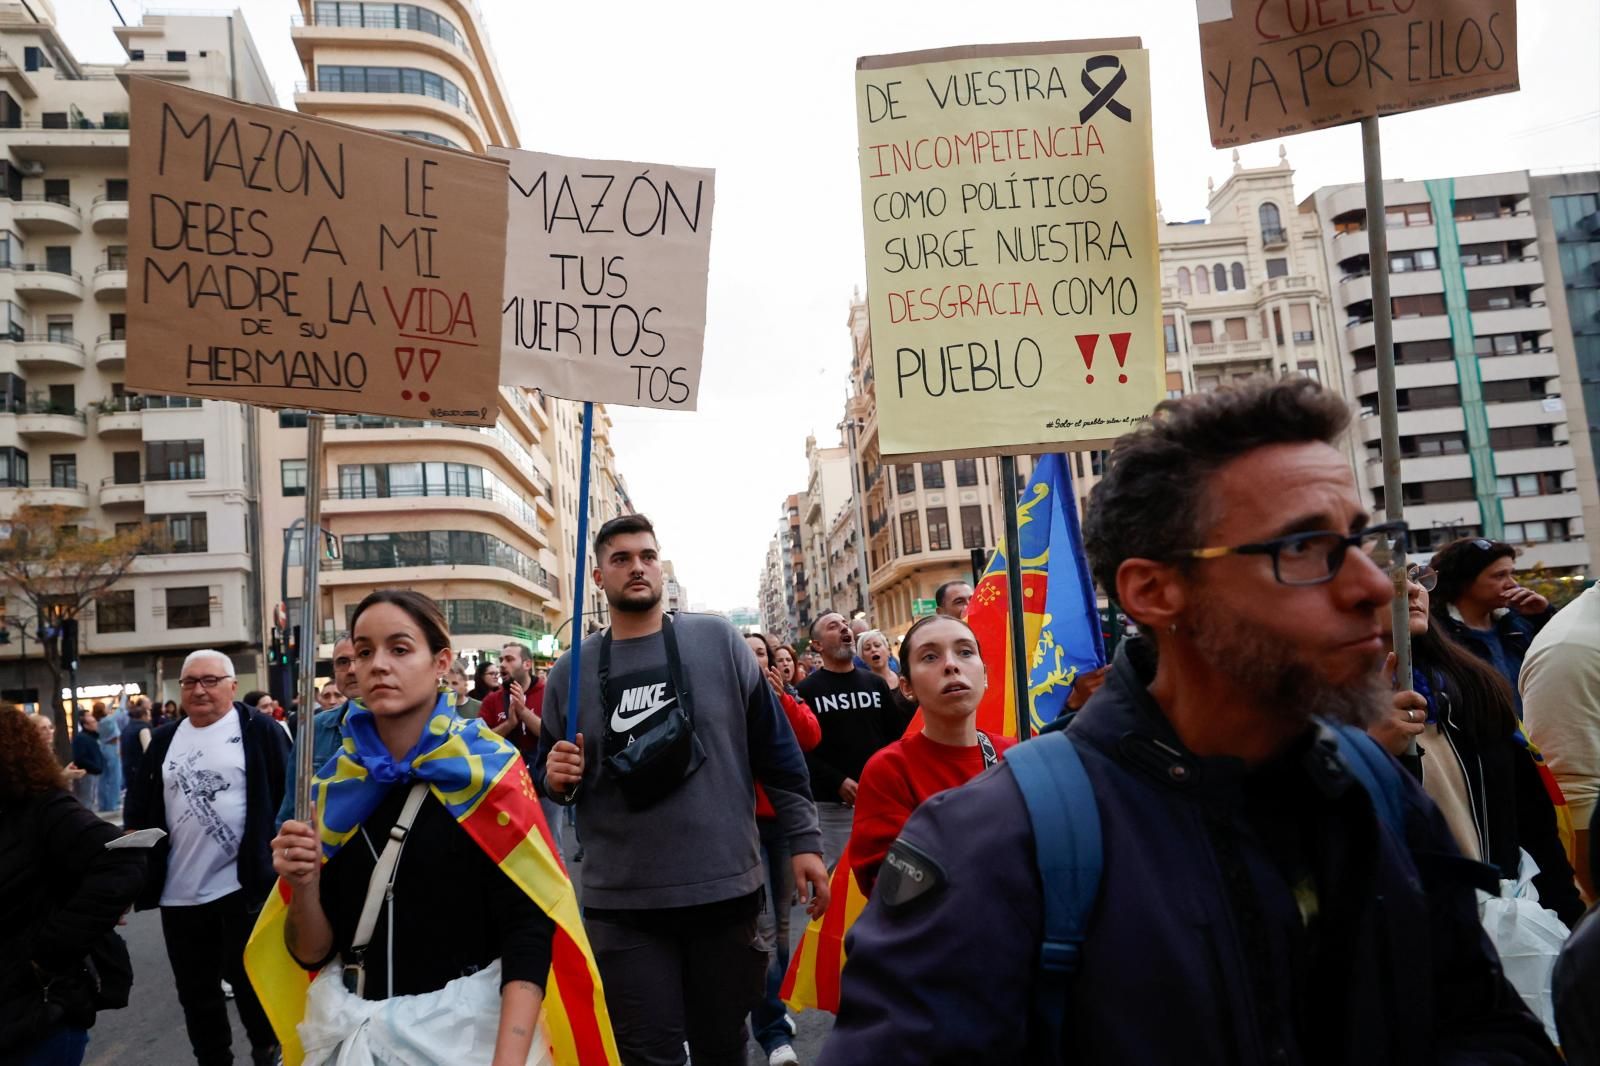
x,y
1106,96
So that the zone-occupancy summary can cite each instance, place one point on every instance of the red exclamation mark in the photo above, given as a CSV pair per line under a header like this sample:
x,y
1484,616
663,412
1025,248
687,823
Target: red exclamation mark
x,y
1119,348
1086,345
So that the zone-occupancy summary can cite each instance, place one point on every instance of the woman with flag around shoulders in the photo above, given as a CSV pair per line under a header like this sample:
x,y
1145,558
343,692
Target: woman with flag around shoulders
x,y
944,675
425,891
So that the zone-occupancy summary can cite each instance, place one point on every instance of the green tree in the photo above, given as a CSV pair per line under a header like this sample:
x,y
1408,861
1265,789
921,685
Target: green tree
x,y
57,568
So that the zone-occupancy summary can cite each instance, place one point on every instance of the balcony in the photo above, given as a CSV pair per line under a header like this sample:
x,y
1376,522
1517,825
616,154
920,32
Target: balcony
x,y
1230,350
158,66
108,216
1527,272
41,282
110,351
54,493
119,416
18,76
78,142
37,215
111,280
121,494
1515,227
1540,508
1274,237
40,421
1424,468
44,352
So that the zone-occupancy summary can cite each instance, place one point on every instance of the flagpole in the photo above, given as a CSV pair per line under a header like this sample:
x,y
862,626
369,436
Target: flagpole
x,y
1019,653
578,576
310,565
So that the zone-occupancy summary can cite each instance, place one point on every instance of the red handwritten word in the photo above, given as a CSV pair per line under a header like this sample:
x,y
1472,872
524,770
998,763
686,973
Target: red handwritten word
x,y
965,301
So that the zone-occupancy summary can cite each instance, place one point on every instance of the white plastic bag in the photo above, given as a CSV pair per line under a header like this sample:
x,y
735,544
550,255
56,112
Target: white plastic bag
x,y
455,1025
1528,938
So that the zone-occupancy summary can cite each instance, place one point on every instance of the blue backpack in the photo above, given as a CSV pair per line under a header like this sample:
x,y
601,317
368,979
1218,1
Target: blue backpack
x,y
1067,845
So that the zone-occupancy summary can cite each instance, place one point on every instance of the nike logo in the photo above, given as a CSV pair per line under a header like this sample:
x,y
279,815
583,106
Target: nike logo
x,y
638,704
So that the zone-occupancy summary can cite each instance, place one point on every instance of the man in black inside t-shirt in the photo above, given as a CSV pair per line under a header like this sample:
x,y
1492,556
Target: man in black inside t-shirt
x,y
857,715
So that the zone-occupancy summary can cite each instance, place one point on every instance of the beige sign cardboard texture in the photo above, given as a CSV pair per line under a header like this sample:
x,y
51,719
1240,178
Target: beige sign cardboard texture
x,y
605,287
1008,197
288,261
1276,67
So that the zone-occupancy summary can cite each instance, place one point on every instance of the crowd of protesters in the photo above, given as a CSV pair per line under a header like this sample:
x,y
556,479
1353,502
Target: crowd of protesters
x,y
1274,852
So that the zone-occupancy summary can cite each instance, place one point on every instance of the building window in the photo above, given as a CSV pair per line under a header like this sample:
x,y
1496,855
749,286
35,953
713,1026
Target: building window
x,y
389,17
178,534
1300,323
1510,438
1403,215
905,479
291,420
972,526
409,80
1277,268
1219,277
1271,224
1235,329
910,533
63,471
1202,281
491,616
1428,303
189,608
125,468
293,474
1169,333
424,135
13,468
113,612
1184,285
1200,331
938,529
1238,275
1546,484
933,475
966,472
175,460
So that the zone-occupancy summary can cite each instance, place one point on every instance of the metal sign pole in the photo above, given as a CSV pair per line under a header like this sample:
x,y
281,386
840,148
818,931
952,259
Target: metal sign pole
x,y
1019,651
310,560
574,677
1388,415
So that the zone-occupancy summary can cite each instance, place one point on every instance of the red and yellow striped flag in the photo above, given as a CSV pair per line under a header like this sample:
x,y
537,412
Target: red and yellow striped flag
x,y
482,782
813,977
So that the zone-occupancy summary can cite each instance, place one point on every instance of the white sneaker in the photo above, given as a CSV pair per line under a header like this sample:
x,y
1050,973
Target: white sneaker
x,y
783,1055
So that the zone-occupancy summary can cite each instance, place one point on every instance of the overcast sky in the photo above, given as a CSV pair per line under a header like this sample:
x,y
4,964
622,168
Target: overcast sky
x,y
768,100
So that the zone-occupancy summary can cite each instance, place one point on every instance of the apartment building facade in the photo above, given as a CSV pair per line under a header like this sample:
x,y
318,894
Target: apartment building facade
x,y
70,433
827,491
1485,442
1566,210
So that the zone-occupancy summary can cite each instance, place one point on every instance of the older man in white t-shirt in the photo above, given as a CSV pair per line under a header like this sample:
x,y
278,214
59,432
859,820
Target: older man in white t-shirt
x,y
213,780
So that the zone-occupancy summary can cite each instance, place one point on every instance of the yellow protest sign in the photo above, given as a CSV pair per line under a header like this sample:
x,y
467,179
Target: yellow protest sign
x,y
1008,196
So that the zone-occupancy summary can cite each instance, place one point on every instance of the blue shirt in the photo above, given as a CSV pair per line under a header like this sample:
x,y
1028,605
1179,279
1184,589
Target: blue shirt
x,y
327,737
1507,665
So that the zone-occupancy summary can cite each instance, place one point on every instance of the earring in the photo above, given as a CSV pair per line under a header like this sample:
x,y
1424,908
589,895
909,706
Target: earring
x,y
1172,628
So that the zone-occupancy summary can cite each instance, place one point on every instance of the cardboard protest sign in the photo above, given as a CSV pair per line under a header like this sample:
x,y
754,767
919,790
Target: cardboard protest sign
x,y
1276,67
1008,195
288,261
605,287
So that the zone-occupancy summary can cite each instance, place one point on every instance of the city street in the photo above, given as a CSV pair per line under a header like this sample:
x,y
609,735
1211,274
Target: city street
x,y
149,1032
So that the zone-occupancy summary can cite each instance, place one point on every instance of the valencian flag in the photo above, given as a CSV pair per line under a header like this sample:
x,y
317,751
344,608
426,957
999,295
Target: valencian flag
x,y
1564,827
1060,622
1063,632
484,784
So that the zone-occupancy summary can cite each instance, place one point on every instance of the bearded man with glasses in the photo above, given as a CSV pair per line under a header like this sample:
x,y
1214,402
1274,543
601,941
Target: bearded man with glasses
x,y
212,781
1270,886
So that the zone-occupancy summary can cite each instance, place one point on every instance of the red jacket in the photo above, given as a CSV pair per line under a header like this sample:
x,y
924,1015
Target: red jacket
x,y
806,730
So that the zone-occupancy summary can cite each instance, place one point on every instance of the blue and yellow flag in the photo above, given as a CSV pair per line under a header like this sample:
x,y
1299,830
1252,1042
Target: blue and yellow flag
x,y
1060,620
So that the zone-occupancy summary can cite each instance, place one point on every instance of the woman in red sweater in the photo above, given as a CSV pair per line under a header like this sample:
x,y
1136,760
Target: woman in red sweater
x,y
942,669
770,1023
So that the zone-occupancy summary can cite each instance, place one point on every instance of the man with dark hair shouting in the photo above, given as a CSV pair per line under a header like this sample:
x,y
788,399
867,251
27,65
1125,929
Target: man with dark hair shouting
x,y
1253,881
676,724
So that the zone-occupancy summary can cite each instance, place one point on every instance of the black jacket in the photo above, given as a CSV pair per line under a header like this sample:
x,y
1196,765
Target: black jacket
x,y
1510,807
1196,950
266,753
1516,632
60,892
86,754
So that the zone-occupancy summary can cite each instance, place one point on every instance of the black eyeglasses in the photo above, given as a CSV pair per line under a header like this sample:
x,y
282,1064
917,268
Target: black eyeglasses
x,y
1315,558
209,681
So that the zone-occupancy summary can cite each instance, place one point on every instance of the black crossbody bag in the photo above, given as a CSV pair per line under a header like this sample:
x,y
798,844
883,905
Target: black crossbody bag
x,y
660,759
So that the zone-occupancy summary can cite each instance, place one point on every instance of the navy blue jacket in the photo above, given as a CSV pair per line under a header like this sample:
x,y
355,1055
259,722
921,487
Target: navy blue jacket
x,y
86,753
1516,631
1194,953
266,752
327,737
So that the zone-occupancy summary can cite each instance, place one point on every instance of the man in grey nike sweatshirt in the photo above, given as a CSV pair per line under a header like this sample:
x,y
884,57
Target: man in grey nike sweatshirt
x,y
672,891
